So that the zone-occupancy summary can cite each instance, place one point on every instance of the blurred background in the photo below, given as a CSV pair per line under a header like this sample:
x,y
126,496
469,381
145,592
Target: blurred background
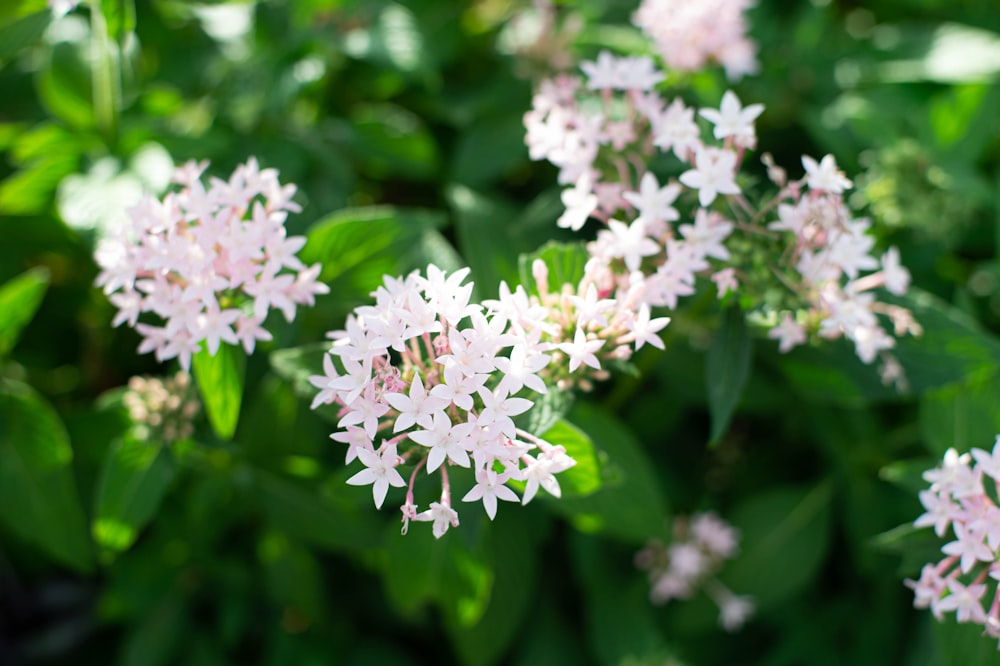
x,y
405,119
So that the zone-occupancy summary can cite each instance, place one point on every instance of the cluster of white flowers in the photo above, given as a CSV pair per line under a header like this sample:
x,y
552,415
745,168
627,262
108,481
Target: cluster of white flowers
x,y
690,34
208,262
162,409
658,238
957,499
689,563
437,379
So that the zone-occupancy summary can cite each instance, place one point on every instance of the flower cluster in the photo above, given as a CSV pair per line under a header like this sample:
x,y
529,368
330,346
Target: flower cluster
x,y
210,262
689,563
659,238
958,501
437,379
162,409
689,34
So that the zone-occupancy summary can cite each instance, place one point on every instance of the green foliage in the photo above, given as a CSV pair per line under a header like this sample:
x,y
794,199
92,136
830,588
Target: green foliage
x,y
220,382
38,497
727,368
19,299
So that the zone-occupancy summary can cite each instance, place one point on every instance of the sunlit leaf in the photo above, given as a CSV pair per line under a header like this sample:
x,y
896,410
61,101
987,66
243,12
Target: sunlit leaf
x,y
220,382
134,480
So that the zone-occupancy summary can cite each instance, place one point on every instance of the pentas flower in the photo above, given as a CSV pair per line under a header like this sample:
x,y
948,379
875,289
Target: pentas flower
x,y
960,500
690,34
441,382
162,409
690,562
208,262
658,239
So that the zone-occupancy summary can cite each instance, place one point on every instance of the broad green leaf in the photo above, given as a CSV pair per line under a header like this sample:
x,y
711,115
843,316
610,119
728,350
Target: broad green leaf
x,y
38,496
134,480
153,639
961,416
583,478
727,369
316,517
19,300
908,474
360,245
220,382
22,33
565,263
784,535
629,505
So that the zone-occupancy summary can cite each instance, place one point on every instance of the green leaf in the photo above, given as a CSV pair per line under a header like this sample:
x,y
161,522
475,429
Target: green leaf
x,y
22,33
565,263
320,518
360,245
64,84
493,232
629,505
488,149
549,408
583,478
964,644
134,480
961,417
19,300
414,566
119,16
953,348
483,630
727,369
393,141
220,382
784,536
38,496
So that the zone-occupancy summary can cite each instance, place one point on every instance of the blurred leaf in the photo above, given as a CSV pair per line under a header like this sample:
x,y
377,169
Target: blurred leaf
x,y
155,637
908,474
727,369
38,497
64,84
621,623
961,417
488,149
220,382
565,263
583,478
784,536
45,154
414,566
484,237
482,638
134,480
119,16
296,364
294,578
629,505
19,300
964,644
953,348
391,140
22,33
313,516
955,53
393,39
